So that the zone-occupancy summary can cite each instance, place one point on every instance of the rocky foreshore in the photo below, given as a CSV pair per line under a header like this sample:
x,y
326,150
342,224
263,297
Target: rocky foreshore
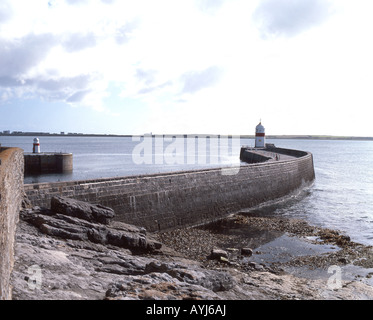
x,y
76,251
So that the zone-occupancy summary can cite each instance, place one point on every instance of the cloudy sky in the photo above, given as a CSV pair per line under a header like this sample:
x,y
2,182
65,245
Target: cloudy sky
x,y
187,66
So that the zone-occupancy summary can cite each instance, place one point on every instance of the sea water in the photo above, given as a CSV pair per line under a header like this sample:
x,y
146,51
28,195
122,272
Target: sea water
x,y
340,198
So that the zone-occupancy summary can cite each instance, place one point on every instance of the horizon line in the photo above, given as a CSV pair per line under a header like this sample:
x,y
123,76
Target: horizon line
x,y
271,136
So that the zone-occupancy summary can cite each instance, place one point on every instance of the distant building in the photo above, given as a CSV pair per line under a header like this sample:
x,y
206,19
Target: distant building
x,y
6,132
62,133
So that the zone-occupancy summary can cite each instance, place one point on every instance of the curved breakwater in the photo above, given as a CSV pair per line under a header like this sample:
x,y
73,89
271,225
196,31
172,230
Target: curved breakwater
x,y
176,199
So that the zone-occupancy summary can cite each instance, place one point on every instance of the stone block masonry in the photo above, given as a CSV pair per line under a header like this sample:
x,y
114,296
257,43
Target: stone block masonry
x,y
37,163
11,196
178,199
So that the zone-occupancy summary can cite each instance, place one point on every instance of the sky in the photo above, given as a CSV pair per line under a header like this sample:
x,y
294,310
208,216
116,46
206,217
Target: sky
x,y
302,67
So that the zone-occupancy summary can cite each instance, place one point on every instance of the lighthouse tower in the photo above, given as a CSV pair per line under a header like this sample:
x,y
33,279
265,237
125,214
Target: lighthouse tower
x,y
259,136
36,146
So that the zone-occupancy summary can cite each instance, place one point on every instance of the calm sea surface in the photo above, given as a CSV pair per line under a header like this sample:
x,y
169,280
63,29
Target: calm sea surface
x,y
340,198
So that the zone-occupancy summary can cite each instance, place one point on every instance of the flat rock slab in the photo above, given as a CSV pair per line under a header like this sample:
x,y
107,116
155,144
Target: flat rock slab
x,y
67,227
82,210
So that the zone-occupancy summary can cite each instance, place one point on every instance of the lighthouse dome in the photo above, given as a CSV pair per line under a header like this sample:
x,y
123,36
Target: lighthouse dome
x,y
259,128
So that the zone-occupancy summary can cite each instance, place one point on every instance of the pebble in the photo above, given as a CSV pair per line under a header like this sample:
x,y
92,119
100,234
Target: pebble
x,y
218,254
247,252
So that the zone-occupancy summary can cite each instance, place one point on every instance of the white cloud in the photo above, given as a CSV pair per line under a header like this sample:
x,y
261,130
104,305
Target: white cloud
x,y
78,41
290,17
196,81
6,11
18,56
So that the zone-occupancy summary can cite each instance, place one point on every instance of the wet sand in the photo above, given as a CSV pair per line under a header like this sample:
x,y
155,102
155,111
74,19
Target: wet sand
x,y
279,245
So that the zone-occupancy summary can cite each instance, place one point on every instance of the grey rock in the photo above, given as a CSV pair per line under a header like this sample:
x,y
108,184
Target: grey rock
x,y
210,279
79,259
247,252
255,266
157,286
218,253
82,210
68,227
159,267
74,269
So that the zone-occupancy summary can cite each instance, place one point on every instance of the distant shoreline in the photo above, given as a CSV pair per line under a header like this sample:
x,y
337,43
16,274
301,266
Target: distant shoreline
x,y
300,137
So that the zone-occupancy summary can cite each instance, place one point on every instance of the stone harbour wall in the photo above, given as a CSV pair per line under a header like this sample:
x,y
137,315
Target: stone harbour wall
x,y
177,199
250,156
11,196
37,163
